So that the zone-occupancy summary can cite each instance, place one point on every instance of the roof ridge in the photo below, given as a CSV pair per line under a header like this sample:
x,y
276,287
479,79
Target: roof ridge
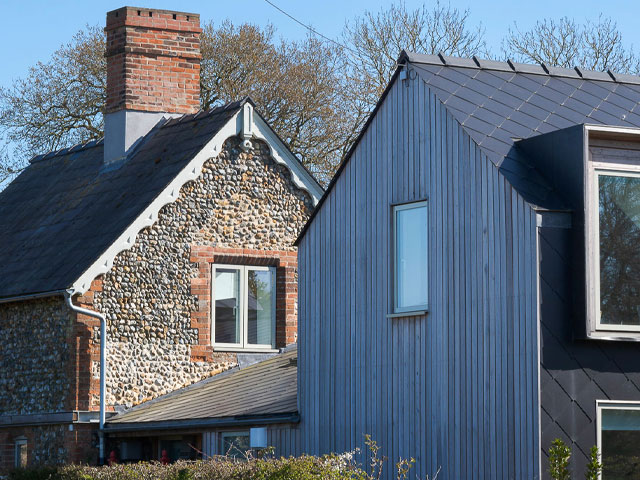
x,y
200,114
187,117
516,67
63,151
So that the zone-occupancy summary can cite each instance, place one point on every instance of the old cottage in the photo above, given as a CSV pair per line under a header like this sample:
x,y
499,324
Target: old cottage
x,y
167,245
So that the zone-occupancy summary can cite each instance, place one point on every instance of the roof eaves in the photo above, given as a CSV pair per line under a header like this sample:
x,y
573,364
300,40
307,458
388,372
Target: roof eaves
x,y
276,418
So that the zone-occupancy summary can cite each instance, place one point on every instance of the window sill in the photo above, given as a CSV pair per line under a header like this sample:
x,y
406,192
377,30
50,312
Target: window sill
x,y
413,313
245,350
615,335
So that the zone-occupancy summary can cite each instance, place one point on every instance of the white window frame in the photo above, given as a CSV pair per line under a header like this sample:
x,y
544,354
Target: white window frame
x,y
398,208
17,443
244,344
234,433
610,405
597,170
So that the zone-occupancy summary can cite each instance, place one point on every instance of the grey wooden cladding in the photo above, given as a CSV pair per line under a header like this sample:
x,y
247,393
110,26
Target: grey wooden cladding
x,y
456,389
284,439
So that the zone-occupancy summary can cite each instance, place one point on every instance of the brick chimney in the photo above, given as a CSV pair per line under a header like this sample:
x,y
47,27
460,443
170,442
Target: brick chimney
x,y
153,71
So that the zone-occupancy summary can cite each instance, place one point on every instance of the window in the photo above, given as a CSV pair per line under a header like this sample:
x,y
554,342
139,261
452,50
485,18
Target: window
x,y
244,307
410,257
619,439
20,460
234,444
617,239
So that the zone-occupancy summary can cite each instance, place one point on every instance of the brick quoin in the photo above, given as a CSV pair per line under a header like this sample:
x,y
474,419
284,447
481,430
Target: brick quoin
x,y
286,263
86,354
153,60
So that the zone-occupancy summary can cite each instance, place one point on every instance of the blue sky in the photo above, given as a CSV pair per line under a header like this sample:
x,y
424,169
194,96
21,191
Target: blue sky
x,y
32,30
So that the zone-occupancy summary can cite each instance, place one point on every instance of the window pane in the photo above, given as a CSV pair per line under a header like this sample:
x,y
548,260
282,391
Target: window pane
x,y
235,445
411,257
260,307
619,212
21,455
227,298
620,444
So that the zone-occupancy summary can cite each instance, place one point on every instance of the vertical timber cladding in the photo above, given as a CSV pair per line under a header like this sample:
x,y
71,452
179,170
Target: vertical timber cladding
x,y
456,389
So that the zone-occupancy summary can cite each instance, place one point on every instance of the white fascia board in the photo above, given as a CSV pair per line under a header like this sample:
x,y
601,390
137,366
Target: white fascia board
x,y
235,126
281,154
612,129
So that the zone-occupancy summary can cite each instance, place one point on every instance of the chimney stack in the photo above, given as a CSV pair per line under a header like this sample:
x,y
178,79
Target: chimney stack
x,y
153,71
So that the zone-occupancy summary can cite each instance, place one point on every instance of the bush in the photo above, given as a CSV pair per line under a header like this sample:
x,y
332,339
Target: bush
x,y
330,467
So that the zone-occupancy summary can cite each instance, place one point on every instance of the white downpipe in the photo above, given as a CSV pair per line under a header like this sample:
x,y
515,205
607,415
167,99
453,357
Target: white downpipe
x,y
103,364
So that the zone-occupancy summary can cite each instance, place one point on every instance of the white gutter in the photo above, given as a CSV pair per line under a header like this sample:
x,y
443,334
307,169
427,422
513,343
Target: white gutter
x,y
103,364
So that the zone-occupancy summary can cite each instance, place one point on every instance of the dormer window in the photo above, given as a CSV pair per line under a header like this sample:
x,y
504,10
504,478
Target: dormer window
x,y
618,243
612,228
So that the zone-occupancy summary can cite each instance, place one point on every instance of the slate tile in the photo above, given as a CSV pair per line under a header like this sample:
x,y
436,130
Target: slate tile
x,y
495,106
471,96
525,119
602,117
552,95
534,111
582,109
588,99
457,76
565,118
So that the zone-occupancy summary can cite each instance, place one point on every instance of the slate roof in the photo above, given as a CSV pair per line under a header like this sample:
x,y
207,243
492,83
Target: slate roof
x,y
498,103
264,389
63,211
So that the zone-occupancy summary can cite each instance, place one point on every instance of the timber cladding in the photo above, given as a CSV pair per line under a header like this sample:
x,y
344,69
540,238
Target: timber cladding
x,y
457,388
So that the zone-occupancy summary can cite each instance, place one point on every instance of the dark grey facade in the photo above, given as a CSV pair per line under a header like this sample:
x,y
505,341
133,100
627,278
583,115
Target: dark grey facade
x,y
505,360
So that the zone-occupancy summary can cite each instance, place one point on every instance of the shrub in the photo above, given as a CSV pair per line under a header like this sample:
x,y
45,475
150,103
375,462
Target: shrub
x,y
594,467
559,455
330,467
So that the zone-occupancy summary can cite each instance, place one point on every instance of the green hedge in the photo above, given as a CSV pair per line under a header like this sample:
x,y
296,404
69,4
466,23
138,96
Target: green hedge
x,y
331,467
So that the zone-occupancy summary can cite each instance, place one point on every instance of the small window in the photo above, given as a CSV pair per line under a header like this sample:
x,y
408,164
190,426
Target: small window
x,y
244,307
234,444
618,244
619,439
410,257
20,453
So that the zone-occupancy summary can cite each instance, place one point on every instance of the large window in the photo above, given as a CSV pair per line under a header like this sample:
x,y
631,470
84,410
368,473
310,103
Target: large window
x,y
618,242
410,257
619,439
244,307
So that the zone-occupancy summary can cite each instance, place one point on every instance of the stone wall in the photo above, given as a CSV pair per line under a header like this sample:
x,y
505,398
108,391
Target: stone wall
x,y
34,356
242,200
50,445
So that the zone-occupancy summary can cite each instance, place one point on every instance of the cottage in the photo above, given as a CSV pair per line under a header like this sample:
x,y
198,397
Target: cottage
x,y
145,262
468,284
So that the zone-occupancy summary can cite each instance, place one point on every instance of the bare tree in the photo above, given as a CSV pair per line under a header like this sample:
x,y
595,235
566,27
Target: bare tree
x,y
565,43
59,102
296,86
376,39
